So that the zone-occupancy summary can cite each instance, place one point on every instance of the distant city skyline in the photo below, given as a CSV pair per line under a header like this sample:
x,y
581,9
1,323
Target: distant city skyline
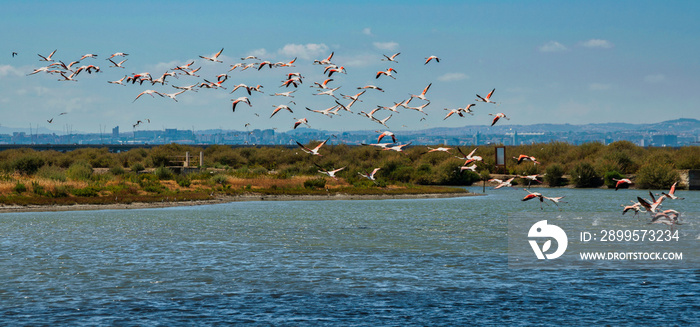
x,y
549,62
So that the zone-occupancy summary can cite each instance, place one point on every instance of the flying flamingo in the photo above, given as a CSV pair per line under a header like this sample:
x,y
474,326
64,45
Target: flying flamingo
x,y
387,73
497,117
671,194
532,195
214,57
386,133
326,61
428,59
487,99
301,121
330,173
47,58
323,85
118,54
89,55
119,65
556,200
149,92
422,95
441,149
465,167
392,58
621,182
119,81
530,179
382,121
655,203
370,87
397,148
280,107
524,157
313,151
370,176
452,112
241,99
502,184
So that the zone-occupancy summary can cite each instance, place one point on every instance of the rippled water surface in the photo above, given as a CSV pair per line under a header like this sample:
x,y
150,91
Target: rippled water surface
x,y
387,262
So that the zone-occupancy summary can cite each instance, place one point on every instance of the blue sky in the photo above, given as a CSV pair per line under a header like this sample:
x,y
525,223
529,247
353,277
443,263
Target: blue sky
x,y
549,61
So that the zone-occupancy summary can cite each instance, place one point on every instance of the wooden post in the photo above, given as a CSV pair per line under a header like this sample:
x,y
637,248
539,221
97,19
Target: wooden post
x,y
187,160
201,158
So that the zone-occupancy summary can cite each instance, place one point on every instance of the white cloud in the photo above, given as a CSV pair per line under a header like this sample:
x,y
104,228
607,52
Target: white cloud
x,y
260,53
305,51
367,31
6,70
599,87
597,43
450,77
655,78
553,46
386,45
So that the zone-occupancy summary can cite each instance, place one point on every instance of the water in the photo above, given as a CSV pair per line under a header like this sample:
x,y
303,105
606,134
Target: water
x,y
389,262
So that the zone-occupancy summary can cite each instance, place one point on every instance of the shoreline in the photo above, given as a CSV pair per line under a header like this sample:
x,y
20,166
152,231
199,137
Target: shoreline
x,y
226,199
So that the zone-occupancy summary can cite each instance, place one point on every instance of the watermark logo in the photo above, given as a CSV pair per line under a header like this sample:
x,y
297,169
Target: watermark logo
x,y
542,229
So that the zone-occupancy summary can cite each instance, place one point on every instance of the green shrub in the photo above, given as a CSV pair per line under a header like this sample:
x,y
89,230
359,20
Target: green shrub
x,y
117,170
27,164
315,183
38,189
52,172
79,171
656,175
553,175
584,175
220,179
137,167
89,191
163,173
183,181
19,188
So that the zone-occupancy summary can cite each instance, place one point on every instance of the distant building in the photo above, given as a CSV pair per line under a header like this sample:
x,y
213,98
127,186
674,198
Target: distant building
x,y
115,132
664,140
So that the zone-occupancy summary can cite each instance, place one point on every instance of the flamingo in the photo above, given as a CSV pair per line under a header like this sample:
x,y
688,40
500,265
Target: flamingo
x,y
41,69
530,179
301,121
383,121
68,78
524,157
263,63
326,111
655,203
173,95
313,151
397,148
422,95
214,57
188,88
288,64
428,59
468,109
89,55
370,87
119,81
441,149
250,57
184,67
50,120
370,176
465,167
118,54
621,182
284,94
330,173
241,99
149,92
532,195
386,133
387,73
238,86
487,99
323,85
47,58
452,112
671,194
118,65
636,207
419,108
326,61
392,58
498,116
353,97
341,69
369,115
470,157
280,107
556,200
503,184
329,92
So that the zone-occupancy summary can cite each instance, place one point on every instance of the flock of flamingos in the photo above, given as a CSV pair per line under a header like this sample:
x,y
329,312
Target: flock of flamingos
x,y
291,83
